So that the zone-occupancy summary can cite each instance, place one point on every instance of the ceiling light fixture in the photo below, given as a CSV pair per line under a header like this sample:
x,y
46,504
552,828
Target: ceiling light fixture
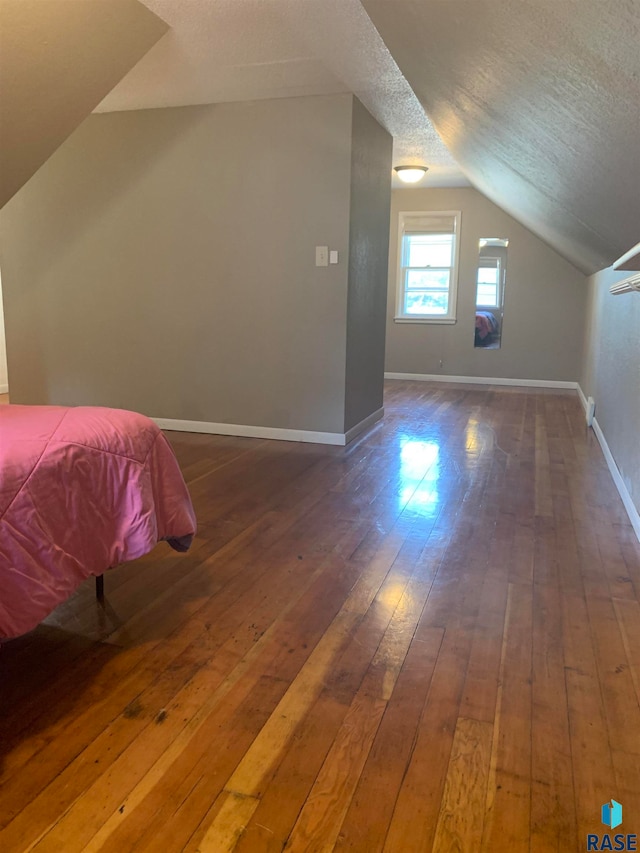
x,y
411,174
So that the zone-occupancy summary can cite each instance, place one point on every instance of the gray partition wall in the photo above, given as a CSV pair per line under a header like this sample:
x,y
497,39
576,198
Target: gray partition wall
x,y
164,261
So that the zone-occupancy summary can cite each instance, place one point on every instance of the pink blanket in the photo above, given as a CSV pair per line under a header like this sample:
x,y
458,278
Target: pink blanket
x,y
81,490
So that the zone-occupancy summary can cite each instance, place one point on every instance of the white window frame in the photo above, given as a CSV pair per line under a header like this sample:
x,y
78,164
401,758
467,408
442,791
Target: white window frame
x,y
450,317
498,267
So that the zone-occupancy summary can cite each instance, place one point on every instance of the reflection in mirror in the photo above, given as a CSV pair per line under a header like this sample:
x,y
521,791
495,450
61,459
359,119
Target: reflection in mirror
x,y
490,284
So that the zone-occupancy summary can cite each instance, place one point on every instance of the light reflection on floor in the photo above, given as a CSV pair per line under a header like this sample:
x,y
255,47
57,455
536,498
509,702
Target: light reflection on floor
x,y
419,472
473,439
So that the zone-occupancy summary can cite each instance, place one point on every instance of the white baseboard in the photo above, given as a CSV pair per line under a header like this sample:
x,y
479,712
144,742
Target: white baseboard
x,y
484,380
244,431
4,389
364,424
583,399
629,505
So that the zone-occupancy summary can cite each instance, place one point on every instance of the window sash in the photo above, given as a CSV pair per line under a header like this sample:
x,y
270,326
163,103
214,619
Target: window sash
x,y
487,296
413,224
428,293
406,271
488,293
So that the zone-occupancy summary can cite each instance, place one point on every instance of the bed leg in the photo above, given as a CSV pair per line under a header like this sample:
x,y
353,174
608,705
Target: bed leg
x,y
100,587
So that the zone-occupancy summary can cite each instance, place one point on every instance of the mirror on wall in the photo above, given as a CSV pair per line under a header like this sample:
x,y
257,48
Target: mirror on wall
x,y
490,285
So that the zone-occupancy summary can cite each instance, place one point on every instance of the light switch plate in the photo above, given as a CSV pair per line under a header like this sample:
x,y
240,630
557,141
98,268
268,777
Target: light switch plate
x,y
333,256
322,256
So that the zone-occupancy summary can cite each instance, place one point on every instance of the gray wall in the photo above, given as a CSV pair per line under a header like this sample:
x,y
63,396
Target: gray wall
x,y
163,261
544,301
368,259
611,371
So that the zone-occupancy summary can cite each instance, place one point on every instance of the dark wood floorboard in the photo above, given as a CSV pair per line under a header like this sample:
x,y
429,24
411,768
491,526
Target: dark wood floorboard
x,y
426,641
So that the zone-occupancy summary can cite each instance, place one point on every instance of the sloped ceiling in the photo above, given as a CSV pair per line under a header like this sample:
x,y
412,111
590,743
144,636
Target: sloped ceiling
x,y
539,103
242,50
58,59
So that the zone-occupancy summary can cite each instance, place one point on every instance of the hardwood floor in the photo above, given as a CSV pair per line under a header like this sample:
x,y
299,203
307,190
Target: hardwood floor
x,y
427,641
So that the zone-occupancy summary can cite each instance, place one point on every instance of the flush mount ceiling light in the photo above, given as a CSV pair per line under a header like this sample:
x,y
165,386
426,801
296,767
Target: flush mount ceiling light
x,y
410,174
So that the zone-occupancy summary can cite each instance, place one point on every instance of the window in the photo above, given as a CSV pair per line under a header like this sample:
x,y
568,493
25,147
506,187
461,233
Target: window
x,y
488,286
428,267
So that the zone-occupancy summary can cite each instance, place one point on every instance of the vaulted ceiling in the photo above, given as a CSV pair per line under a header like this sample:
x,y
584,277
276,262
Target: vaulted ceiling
x,y
243,50
537,104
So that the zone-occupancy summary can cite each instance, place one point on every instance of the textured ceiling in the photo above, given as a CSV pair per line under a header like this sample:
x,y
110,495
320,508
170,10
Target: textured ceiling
x,y
239,50
222,50
539,103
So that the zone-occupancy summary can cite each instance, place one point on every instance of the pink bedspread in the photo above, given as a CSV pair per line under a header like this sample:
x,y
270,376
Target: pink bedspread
x,y
81,490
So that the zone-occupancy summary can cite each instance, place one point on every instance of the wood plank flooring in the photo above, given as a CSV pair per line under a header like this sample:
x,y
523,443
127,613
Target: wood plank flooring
x,y
427,641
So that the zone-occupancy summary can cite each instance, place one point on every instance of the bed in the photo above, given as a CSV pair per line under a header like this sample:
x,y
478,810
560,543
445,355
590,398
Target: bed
x,y
81,490
487,329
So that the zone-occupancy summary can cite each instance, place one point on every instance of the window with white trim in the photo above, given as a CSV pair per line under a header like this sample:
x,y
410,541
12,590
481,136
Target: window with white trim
x,y
428,266
488,285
